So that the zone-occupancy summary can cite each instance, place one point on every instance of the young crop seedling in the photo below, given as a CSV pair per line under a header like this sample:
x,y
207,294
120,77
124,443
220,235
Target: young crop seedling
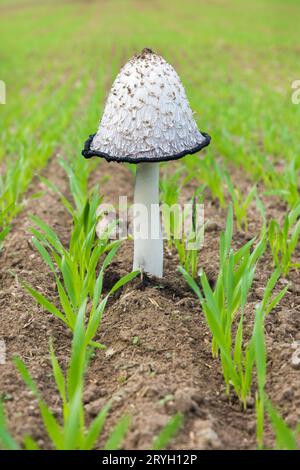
x,y
71,433
286,438
170,187
186,237
224,307
284,184
240,203
168,432
234,269
75,268
31,154
189,244
283,240
210,174
78,175
3,234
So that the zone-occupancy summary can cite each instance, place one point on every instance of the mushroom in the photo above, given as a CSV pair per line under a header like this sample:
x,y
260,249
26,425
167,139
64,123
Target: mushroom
x,y
147,119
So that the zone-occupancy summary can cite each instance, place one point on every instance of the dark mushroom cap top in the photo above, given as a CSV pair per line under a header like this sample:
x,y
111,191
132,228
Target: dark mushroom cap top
x,y
147,116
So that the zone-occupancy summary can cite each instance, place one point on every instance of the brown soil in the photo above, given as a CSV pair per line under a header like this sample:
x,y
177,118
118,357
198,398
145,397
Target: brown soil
x,y
170,368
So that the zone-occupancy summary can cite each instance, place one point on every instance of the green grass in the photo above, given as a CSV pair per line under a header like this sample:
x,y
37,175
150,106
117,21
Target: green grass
x,y
286,438
241,203
224,309
72,433
238,78
283,240
78,277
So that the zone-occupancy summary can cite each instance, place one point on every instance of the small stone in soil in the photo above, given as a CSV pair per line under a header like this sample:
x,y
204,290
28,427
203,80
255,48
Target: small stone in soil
x,y
212,227
184,400
95,406
285,354
287,394
204,436
295,360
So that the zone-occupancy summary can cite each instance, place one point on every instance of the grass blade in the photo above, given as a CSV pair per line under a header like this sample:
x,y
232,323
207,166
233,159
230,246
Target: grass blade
x,y
168,432
116,437
45,303
6,440
96,428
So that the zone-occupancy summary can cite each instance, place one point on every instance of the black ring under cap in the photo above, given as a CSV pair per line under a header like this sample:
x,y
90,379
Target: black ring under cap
x,y
88,153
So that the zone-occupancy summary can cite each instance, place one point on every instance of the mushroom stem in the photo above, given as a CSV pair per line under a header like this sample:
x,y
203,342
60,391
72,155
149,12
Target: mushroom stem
x,y
148,243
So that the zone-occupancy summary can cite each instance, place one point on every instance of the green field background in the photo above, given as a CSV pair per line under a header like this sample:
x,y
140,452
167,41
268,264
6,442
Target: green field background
x,y
237,60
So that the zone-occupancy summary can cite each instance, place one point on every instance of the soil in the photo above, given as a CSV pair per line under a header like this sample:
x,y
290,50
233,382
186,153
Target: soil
x,y
158,357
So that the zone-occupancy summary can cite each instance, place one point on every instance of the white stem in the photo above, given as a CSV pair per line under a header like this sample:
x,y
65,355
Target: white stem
x,y
148,243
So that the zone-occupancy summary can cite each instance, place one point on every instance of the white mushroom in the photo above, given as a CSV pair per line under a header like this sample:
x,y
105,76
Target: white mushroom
x,y
147,119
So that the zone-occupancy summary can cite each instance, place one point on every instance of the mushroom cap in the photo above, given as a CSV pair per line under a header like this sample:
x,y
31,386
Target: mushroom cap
x,y
147,116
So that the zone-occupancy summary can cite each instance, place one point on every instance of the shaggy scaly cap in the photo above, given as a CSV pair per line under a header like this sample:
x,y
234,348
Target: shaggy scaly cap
x,y
147,116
